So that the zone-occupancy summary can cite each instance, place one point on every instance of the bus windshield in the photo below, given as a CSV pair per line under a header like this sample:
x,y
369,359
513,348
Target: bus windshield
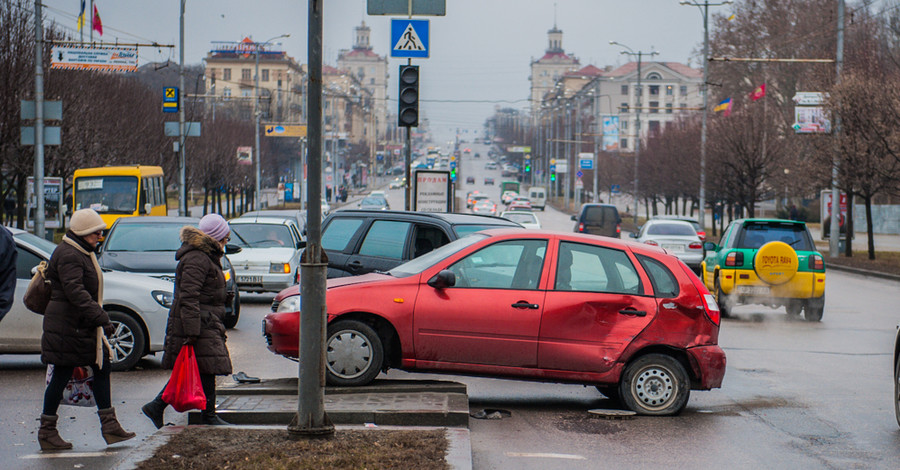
x,y
107,194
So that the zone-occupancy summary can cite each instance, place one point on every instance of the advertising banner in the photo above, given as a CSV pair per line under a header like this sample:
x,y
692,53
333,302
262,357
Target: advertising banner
x,y
53,202
432,191
110,59
610,133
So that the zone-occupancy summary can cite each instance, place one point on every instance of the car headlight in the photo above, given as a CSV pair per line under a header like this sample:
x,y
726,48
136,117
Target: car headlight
x,y
289,304
281,268
163,298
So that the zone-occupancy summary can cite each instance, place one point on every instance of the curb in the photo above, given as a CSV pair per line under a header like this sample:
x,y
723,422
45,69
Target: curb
x,y
864,272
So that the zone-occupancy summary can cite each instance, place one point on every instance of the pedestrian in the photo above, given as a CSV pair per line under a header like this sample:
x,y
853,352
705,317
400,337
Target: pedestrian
x,y
198,312
8,255
74,328
9,208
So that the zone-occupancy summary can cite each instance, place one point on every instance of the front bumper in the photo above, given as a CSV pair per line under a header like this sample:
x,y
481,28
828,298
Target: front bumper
x,y
256,281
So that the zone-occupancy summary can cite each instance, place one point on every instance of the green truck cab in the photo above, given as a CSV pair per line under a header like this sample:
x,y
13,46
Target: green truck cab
x,y
768,262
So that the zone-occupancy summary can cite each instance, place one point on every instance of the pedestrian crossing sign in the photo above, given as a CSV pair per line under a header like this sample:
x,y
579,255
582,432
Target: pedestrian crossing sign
x,y
409,38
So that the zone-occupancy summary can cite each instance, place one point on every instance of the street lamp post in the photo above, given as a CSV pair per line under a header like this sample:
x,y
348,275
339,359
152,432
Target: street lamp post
x,y
704,7
637,120
257,189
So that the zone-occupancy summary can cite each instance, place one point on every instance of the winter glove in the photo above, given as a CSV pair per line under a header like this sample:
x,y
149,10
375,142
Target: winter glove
x,y
109,329
190,340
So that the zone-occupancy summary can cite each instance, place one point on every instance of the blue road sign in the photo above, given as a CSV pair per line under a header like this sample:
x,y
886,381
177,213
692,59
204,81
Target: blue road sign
x,y
170,99
586,163
579,174
409,38
614,189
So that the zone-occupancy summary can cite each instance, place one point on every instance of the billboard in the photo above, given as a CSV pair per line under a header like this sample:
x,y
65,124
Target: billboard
x,y
110,59
432,191
53,202
245,155
611,133
809,115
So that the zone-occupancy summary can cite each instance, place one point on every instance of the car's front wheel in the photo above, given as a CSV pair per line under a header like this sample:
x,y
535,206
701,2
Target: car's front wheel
x,y
353,353
655,384
127,341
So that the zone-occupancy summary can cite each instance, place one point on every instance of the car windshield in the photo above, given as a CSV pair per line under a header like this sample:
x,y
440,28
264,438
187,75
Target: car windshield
x,y
417,265
261,235
373,201
522,218
758,234
144,237
40,243
671,229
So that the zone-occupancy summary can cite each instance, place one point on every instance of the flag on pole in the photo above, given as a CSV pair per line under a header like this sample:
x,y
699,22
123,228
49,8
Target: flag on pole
x,y
732,17
724,105
81,16
759,92
98,25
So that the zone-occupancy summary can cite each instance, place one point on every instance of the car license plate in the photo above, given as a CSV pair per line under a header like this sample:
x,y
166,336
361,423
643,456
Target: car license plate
x,y
250,279
674,248
753,290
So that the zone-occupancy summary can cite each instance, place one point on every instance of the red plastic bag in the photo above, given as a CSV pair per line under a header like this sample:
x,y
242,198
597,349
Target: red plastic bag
x,y
184,390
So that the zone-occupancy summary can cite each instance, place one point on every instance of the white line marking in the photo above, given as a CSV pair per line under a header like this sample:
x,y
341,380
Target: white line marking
x,y
546,455
67,455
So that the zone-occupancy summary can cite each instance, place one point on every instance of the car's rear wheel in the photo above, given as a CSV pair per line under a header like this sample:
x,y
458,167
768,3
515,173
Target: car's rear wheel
x,y
655,384
814,309
354,353
793,308
723,301
127,341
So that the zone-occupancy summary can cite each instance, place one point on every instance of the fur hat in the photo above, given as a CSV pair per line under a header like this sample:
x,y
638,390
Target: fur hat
x,y
215,226
85,222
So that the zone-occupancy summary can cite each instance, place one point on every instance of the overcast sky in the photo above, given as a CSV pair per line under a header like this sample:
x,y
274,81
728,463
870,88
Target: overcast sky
x,y
480,51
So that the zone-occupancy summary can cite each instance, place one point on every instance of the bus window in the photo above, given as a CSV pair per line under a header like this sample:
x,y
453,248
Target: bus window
x,y
107,194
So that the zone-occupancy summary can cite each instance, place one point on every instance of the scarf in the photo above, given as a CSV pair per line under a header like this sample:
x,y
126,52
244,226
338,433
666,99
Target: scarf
x,y
101,338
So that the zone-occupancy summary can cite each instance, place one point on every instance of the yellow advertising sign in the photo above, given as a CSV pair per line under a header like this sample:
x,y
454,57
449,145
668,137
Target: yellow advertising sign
x,y
281,130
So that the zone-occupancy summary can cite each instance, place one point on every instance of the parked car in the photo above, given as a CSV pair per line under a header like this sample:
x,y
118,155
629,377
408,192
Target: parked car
x,y
476,198
138,307
147,245
769,262
490,166
677,237
374,203
485,207
694,223
525,219
488,181
326,207
397,183
599,219
298,215
624,317
270,252
470,180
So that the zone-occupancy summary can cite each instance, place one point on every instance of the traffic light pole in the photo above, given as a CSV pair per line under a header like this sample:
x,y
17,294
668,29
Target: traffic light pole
x,y
408,160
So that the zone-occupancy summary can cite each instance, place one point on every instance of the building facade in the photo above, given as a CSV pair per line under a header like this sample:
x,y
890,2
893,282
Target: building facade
x,y
553,65
371,71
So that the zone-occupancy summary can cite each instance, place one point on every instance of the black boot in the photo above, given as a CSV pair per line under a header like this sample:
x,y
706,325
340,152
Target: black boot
x,y
154,410
210,418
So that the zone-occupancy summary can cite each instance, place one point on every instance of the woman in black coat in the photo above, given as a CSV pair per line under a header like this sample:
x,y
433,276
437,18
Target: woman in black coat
x,y
197,315
74,326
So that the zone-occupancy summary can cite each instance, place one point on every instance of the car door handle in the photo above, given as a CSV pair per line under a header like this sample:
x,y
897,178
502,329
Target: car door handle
x,y
354,265
631,311
523,304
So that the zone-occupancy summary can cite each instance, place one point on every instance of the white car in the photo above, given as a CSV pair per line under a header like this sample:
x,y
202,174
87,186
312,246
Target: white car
x,y
378,193
138,307
326,207
675,236
270,252
523,218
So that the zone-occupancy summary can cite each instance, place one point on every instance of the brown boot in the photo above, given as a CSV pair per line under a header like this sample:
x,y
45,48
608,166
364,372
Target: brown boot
x,y
48,436
110,427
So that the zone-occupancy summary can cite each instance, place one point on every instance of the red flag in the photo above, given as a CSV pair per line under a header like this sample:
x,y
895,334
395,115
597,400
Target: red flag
x,y
97,24
759,92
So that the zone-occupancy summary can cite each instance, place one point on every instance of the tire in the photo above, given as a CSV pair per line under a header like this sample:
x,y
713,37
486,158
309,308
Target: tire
x,y
794,308
722,300
814,309
897,391
127,342
655,385
354,353
232,320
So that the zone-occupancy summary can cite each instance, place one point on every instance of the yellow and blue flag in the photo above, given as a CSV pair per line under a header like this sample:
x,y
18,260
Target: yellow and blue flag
x,y
81,16
724,105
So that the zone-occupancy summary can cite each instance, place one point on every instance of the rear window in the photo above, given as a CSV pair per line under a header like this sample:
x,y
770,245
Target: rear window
x,y
756,235
598,215
663,281
671,229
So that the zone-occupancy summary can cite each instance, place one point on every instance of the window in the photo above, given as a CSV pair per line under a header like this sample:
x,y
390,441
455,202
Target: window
x,y
385,239
371,81
26,260
623,108
245,74
654,107
682,90
265,75
590,268
514,264
653,127
663,281
623,143
668,108
654,90
654,76
623,125
339,232
226,74
670,90
624,89
226,92
246,92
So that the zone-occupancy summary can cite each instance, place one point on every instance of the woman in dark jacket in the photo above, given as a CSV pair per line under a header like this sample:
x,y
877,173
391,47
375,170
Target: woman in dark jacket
x,y
74,326
198,312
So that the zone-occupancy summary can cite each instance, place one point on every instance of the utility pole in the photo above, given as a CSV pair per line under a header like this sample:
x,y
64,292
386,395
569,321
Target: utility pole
x,y
257,185
39,120
182,178
835,235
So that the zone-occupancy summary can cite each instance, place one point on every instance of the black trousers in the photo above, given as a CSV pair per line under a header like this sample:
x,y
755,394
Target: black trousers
x,y
61,375
208,381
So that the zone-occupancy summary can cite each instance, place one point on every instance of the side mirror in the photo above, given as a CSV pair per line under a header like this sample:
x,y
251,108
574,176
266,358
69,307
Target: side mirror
x,y
301,244
232,249
710,246
574,218
443,279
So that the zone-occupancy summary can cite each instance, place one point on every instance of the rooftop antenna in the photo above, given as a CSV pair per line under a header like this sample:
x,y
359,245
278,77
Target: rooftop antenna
x,y
554,15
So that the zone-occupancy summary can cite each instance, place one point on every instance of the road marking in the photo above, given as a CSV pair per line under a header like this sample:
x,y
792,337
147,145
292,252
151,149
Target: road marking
x,y
546,455
67,455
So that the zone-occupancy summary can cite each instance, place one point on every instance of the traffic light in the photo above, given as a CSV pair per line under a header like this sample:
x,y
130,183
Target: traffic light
x,y
553,175
408,114
527,166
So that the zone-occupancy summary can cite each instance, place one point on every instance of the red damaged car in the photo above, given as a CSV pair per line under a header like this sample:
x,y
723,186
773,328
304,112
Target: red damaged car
x,y
625,317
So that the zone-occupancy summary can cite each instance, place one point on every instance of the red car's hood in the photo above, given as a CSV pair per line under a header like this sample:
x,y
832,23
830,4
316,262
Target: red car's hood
x,y
336,282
